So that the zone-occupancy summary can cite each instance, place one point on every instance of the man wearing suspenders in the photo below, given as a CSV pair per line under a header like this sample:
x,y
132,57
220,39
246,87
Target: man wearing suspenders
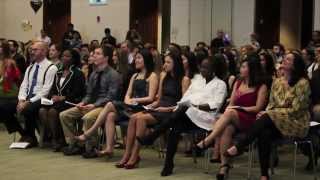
x,y
36,84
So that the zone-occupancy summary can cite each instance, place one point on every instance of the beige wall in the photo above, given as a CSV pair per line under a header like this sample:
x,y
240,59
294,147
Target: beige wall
x,y
316,15
199,20
14,13
1,19
242,21
114,15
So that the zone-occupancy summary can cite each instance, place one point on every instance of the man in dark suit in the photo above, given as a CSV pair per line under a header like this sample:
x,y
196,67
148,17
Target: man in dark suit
x,y
108,39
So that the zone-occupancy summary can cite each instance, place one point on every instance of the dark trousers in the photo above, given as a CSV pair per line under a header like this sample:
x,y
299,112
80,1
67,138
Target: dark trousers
x,y
31,116
8,115
265,132
179,123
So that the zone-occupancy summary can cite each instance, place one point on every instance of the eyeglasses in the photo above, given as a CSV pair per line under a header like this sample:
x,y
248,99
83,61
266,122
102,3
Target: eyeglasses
x,y
34,49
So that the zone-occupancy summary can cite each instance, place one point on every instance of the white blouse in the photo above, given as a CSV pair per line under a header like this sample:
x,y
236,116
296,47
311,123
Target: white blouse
x,y
199,93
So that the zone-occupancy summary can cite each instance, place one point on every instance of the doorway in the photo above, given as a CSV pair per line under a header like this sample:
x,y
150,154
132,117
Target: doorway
x,y
307,22
267,22
144,18
56,17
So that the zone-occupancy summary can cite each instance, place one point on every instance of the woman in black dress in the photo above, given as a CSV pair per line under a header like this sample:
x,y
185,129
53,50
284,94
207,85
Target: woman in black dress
x,y
141,91
170,92
69,85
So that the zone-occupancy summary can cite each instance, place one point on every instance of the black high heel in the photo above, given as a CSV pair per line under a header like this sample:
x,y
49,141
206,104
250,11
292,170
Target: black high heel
x,y
220,176
167,170
205,146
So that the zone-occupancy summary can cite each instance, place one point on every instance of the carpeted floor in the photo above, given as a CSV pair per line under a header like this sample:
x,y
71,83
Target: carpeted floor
x,y
42,164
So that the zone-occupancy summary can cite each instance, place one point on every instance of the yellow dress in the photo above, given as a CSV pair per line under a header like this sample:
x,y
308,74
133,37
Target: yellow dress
x,y
289,107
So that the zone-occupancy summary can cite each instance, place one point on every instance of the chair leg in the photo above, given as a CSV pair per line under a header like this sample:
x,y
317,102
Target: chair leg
x,y
295,159
313,160
194,153
14,136
251,154
249,161
206,160
272,158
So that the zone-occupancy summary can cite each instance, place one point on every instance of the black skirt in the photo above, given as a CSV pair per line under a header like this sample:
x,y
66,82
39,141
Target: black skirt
x,y
125,110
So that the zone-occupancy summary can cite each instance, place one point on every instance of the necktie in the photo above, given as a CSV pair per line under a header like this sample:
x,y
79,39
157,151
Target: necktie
x,y
34,81
96,88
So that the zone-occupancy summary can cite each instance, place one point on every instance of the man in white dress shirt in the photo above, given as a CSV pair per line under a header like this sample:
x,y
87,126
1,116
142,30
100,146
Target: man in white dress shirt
x,y
198,107
44,37
36,84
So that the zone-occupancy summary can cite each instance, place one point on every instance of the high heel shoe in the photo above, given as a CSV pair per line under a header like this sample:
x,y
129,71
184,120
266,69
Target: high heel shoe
x,y
121,165
81,138
205,146
134,165
103,153
167,170
224,176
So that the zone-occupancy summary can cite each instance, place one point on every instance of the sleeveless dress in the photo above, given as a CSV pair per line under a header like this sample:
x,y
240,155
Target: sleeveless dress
x,y
171,94
246,119
140,89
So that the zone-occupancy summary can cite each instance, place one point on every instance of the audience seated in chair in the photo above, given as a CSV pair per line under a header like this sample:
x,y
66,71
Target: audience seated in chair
x,y
36,84
103,87
170,91
141,91
69,85
287,114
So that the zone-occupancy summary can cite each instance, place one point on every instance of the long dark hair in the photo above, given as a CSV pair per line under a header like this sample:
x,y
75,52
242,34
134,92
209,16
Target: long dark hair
x,y
148,61
232,65
299,69
193,67
5,49
219,65
178,70
256,75
270,66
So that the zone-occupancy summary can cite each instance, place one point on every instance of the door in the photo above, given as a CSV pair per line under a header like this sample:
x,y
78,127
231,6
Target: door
x,y
267,22
307,22
56,17
144,18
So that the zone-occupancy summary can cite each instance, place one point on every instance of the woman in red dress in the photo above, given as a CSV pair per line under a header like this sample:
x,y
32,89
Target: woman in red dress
x,y
249,96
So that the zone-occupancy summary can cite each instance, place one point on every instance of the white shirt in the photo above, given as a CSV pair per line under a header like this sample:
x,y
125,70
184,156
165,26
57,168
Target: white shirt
x,y
311,69
62,80
130,58
200,92
45,39
40,90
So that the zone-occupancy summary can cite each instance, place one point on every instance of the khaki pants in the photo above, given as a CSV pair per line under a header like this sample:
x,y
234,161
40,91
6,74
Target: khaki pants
x,y
70,117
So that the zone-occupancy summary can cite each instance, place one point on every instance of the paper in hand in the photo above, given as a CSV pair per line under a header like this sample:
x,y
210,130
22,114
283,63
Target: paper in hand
x,y
70,103
186,103
47,102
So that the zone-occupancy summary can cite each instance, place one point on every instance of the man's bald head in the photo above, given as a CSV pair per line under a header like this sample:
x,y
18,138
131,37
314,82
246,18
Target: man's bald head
x,y
39,51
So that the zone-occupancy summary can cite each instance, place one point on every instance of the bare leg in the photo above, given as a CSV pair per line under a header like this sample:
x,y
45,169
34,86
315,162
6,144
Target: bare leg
x,y
225,143
230,116
141,129
98,123
110,132
131,136
216,149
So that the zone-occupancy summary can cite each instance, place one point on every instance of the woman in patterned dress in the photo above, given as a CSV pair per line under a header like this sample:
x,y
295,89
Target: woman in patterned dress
x,y
287,114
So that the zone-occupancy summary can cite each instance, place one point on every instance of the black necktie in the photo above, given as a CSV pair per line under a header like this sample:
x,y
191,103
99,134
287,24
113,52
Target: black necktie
x,y
97,84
